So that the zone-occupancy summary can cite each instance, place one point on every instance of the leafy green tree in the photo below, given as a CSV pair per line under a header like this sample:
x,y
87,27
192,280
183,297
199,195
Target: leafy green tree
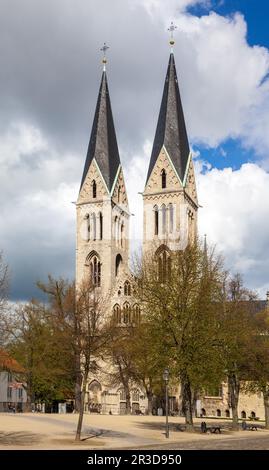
x,y
257,361
236,313
33,343
180,301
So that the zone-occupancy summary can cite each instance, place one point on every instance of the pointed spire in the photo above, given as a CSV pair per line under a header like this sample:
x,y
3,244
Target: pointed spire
x,y
171,129
103,141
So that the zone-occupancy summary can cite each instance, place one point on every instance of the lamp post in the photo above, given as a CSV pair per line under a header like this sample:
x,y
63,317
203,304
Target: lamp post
x,y
166,378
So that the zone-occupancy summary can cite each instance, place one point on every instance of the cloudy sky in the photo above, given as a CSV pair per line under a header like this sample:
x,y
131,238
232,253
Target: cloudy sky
x,y
49,79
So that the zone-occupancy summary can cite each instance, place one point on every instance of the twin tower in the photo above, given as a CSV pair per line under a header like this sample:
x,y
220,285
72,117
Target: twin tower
x,y
170,198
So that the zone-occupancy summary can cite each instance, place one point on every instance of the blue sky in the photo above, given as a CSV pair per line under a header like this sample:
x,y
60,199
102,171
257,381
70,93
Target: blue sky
x,y
233,152
256,13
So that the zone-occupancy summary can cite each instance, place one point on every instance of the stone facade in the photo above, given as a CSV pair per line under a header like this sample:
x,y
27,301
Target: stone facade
x,y
170,212
170,208
249,406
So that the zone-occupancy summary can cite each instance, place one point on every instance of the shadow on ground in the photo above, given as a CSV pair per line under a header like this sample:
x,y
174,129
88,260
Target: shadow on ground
x,y
181,427
19,438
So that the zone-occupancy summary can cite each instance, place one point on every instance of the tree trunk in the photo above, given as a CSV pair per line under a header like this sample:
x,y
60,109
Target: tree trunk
x,y
81,409
234,387
78,382
187,401
150,401
30,391
128,400
266,408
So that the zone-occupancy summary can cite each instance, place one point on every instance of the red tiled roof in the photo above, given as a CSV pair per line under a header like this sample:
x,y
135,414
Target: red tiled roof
x,y
8,363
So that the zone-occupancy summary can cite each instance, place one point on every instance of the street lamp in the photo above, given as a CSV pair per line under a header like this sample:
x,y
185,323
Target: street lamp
x,y
166,378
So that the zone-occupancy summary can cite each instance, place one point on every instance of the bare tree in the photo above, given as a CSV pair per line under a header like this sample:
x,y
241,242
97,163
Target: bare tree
x,y
91,335
4,278
120,354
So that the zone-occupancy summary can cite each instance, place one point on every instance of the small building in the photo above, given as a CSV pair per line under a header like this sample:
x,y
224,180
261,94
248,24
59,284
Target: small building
x,y
13,396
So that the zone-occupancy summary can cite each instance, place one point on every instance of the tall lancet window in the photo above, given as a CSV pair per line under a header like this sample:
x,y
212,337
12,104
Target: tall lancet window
x,y
163,176
136,314
119,194
87,227
126,313
164,263
121,235
117,314
156,220
94,189
115,227
118,263
95,270
100,226
94,226
127,288
163,210
171,217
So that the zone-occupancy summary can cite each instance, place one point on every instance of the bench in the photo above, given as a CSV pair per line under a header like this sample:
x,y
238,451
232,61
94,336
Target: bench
x,y
214,429
249,427
181,427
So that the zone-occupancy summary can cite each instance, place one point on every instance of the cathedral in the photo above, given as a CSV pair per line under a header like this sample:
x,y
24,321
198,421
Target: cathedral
x,y
170,208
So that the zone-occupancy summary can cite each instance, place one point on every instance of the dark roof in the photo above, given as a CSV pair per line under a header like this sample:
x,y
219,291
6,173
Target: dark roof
x,y
103,142
171,130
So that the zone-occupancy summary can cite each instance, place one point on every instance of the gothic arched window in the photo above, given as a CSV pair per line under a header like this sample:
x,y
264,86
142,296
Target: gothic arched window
x,y
171,217
95,268
156,220
135,395
163,176
94,226
116,227
94,189
163,210
118,264
100,226
87,226
164,263
126,313
121,235
119,194
117,314
127,288
122,394
136,314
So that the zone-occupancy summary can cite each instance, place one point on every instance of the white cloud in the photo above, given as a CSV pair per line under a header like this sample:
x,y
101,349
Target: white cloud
x,y
37,218
164,10
221,77
235,216
135,174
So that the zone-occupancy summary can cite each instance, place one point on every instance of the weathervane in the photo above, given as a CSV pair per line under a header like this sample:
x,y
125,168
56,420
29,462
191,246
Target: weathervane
x,y
172,28
104,49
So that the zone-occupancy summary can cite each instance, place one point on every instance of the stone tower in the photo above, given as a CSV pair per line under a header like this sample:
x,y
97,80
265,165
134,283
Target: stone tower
x,y
102,207
170,197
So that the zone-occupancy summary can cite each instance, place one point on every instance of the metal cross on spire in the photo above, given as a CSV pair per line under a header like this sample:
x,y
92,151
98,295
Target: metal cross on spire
x,y
172,28
104,49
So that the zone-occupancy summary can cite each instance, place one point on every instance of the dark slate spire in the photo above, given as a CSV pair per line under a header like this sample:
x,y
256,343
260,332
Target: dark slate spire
x,y
103,142
171,130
